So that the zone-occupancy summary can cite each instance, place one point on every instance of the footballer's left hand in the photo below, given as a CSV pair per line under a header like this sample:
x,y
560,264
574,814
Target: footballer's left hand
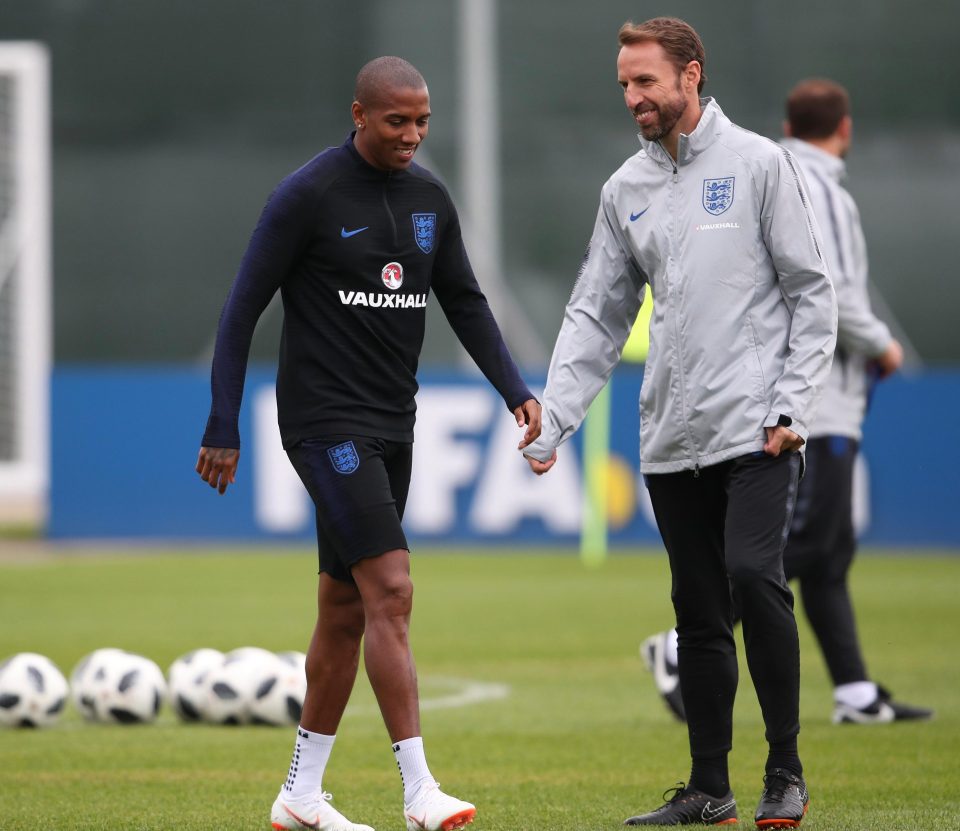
x,y
528,413
781,440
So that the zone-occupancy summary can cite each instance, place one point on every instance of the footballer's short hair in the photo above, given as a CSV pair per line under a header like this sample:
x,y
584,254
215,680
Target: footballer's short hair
x,y
379,76
677,37
815,108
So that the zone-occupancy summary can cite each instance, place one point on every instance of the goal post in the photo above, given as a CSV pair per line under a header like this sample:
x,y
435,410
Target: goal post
x,y
25,286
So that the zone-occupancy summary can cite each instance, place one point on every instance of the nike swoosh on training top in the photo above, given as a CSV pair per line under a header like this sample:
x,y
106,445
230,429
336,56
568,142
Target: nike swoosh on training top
x,y
345,233
708,814
634,217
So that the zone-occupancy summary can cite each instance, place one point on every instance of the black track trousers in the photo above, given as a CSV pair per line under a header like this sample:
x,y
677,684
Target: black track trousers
x,y
820,552
725,528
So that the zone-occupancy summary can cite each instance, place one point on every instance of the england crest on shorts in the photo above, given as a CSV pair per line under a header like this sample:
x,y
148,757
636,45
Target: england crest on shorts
x,y
717,194
425,231
344,458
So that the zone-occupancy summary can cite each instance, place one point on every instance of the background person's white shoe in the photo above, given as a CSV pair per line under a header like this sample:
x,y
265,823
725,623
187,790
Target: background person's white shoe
x,y
433,810
313,812
666,675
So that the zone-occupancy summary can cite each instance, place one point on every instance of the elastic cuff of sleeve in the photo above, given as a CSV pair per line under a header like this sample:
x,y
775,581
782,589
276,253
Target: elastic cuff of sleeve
x,y
221,441
526,396
540,453
782,420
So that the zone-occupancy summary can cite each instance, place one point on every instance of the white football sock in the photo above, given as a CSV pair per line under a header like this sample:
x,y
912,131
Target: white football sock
x,y
412,762
310,755
671,649
858,695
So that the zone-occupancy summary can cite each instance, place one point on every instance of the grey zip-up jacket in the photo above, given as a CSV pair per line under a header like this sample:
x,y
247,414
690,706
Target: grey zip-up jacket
x,y
745,319
860,334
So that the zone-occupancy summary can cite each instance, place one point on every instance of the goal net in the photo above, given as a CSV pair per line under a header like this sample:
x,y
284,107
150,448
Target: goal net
x,y
24,281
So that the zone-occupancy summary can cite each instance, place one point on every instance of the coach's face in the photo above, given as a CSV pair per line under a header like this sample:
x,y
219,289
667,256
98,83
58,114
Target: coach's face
x,y
390,129
654,90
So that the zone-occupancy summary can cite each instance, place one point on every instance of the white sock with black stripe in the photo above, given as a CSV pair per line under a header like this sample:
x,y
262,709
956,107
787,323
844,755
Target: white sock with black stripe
x,y
310,756
412,762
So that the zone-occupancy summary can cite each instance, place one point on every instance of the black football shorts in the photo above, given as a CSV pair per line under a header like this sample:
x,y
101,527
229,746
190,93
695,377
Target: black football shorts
x,y
359,487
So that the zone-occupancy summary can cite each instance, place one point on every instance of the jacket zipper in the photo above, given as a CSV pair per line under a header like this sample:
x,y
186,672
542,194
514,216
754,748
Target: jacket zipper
x,y
676,325
386,205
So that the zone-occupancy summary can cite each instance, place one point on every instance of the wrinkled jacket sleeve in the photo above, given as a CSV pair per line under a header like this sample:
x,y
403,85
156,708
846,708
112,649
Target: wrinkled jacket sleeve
x,y
859,331
792,237
596,324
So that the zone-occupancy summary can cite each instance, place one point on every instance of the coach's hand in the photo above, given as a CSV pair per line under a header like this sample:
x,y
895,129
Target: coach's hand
x,y
528,413
217,466
781,440
539,467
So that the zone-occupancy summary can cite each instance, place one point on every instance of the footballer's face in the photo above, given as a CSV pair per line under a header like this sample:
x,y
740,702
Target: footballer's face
x,y
655,92
390,130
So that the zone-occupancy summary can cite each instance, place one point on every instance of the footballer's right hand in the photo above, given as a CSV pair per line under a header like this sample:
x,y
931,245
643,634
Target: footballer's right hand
x,y
539,467
217,466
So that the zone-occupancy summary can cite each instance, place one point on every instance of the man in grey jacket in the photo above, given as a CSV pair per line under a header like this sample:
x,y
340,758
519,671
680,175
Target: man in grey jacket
x,y
822,542
717,221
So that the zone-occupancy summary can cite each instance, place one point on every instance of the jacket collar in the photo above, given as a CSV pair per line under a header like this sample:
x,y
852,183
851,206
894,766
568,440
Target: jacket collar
x,y
364,166
832,166
712,122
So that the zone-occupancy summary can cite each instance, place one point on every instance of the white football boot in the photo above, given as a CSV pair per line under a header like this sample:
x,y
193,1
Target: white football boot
x,y
433,810
313,812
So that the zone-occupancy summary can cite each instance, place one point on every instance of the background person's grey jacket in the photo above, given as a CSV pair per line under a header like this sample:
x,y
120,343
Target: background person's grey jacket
x,y
860,334
745,319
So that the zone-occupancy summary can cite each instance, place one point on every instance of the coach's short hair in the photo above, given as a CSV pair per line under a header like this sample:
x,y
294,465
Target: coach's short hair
x,y
382,74
815,108
677,37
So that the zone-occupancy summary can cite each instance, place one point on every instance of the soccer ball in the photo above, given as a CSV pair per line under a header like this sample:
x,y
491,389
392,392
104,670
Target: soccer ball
x,y
135,691
87,676
295,658
119,687
231,687
33,691
186,682
278,699
90,678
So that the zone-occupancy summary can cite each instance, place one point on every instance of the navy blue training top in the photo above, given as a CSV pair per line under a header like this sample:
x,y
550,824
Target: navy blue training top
x,y
355,252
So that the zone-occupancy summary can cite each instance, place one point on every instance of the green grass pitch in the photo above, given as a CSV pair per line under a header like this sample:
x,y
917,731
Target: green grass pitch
x,y
581,741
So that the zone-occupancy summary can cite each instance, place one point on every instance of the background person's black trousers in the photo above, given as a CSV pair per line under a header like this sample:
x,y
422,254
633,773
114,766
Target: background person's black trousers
x,y
725,528
820,552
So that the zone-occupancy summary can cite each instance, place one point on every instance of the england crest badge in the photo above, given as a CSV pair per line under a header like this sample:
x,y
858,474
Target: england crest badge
x,y
425,231
344,458
717,195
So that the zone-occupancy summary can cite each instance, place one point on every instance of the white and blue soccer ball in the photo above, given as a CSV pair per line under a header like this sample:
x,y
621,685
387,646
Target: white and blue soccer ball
x,y
33,691
185,682
115,686
231,687
278,699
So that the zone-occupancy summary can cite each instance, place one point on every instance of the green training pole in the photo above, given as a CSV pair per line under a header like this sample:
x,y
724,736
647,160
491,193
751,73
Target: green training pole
x,y
596,449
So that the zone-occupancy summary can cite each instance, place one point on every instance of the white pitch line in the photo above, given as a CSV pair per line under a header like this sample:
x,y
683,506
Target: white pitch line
x,y
465,693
